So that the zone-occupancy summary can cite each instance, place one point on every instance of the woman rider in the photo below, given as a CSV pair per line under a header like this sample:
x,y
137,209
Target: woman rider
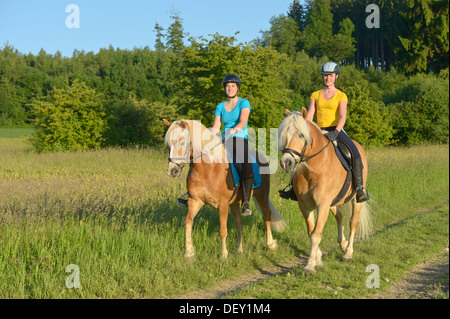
x,y
331,106
234,113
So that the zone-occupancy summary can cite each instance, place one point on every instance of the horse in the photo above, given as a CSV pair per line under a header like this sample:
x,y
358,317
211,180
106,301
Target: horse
x,y
317,178
210,181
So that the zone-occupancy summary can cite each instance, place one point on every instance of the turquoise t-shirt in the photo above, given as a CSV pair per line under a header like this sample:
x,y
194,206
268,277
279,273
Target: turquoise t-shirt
x,y
231,119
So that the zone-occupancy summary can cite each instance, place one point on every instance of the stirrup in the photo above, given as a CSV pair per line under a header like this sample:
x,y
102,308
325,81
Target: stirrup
x,y
362,194
181,201
288,194
246,210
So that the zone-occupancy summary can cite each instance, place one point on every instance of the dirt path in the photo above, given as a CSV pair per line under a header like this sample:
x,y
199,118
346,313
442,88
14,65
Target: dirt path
x,y
424,281
229,286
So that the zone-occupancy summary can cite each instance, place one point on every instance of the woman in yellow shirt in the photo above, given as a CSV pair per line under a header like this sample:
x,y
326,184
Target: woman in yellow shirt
x,y
331,106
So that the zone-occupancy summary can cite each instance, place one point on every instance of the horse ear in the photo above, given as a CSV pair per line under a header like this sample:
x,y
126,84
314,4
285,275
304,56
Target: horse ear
x,y
183,124
287,113
304,112
166,122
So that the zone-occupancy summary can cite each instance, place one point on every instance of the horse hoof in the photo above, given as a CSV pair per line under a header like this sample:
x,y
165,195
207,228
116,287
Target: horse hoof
x,y
309,270
343,246
345,258
274,245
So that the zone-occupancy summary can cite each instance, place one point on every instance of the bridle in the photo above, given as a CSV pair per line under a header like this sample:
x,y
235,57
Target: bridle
x,y
186,159
301,155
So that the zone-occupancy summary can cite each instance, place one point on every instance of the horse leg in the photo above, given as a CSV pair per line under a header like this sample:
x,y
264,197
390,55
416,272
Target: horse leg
x,y
265,207
316,237
354,222
337,212
193,208
238,220
223,231
309,219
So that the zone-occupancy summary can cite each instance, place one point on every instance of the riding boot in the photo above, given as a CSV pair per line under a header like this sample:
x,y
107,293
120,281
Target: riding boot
x,y
361,192
247,185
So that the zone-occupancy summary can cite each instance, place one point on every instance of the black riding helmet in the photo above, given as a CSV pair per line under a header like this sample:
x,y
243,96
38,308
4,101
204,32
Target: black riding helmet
x,y
231,78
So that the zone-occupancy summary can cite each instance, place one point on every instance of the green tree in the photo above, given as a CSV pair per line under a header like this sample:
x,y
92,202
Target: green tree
x,y
263,72
368,121
13,87
284,35
319,28
340,47
175,34
297,13
137,122
159,45
424,38
421,110
71,118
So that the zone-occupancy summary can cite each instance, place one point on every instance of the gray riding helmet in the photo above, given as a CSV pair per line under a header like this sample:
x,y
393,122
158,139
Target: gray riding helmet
x,y
329,68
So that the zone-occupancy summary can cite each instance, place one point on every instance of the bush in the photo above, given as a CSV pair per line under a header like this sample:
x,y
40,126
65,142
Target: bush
x,y
137,122
368,121
421,110
70,118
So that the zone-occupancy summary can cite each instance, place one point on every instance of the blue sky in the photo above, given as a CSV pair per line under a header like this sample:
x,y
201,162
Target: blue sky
x,y
29,25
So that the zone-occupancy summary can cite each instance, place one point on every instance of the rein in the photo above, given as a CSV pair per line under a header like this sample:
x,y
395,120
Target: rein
x,y
302,154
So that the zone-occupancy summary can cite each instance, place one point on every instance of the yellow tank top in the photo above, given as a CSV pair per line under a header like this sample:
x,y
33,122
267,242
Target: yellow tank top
x,y
328,110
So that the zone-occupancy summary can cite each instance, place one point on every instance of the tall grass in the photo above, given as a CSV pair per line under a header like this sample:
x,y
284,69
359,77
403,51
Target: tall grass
x,y
113,213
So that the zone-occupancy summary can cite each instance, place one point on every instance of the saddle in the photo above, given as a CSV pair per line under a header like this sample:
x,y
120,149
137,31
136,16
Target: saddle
x,y
344,153
236,170
345,156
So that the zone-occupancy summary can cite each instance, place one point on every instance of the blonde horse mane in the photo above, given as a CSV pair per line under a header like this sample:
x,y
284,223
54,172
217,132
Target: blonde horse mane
x,y
201,138
296,126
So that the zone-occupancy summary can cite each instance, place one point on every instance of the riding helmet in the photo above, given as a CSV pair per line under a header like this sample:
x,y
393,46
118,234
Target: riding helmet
x,y
330,67
231,78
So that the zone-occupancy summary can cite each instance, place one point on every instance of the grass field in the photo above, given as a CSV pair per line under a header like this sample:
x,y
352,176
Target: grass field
x,y
113,214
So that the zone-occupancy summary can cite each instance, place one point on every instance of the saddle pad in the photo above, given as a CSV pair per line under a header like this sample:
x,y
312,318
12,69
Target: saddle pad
x,y
256,173
341,158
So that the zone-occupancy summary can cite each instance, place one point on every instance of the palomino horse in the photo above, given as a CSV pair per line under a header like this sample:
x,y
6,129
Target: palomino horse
x,y
210,181
317,177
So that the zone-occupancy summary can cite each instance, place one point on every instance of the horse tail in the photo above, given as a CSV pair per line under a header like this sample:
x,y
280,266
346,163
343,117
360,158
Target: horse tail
x,y
365,228
278,224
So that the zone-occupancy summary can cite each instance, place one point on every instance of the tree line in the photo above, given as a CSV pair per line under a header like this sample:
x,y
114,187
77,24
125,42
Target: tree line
x,y
118,97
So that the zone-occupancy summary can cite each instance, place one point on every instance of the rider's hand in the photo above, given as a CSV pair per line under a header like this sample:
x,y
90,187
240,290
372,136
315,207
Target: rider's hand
x,y
332,136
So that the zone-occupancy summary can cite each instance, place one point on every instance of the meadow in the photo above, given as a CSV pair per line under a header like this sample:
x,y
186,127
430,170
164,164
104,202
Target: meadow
x,y
113,214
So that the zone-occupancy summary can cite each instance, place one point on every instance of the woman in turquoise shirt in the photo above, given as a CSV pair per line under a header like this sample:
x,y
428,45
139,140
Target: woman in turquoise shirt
x,y
234,113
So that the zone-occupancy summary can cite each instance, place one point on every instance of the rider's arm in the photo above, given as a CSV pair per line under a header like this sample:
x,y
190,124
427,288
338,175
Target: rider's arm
x,y
245,113
342,115
311,110
216,126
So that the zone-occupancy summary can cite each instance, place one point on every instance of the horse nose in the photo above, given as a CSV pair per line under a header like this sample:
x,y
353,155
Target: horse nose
x,y
287,164
174,171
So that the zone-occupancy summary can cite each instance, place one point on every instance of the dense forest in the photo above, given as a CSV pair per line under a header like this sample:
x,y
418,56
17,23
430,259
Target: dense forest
x,y
395,74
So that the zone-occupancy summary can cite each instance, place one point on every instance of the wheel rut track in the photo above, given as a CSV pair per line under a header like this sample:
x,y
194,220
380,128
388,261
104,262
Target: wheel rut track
x,y
229,286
